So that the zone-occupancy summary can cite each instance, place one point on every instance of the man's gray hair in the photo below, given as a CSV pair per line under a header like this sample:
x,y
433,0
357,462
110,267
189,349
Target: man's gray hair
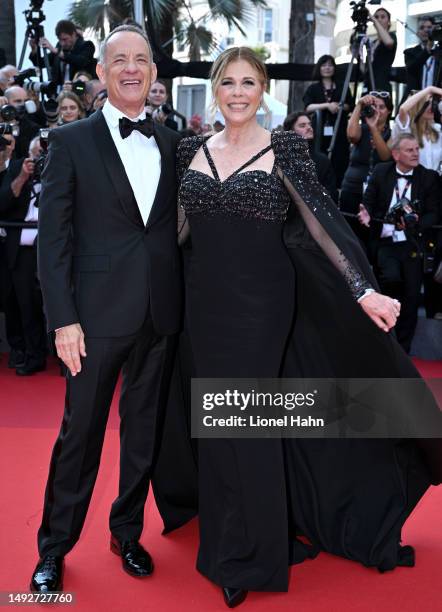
x,y
123,28
396,142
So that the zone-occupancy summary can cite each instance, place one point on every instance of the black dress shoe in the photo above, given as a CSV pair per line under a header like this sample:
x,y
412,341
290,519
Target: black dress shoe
x,y
48,575
16,359
30,368
136,560
234,597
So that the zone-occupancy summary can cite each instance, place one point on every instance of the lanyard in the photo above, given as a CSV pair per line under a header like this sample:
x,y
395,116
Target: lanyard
x,y
396,189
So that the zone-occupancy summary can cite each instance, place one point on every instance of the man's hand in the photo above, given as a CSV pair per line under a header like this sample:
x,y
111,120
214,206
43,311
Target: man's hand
x,y
27,169
69,342
364,216
333,107
381,309
45,44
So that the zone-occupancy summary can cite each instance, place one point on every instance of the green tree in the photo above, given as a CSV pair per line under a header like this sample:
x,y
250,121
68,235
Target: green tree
x,y
168,20
7,30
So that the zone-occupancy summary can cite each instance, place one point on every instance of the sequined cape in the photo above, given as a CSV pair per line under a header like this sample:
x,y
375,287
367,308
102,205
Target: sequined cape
x,y
313,220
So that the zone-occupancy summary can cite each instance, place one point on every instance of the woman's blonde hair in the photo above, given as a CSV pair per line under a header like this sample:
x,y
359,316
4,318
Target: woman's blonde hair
x,y
235,54
69,95
422,126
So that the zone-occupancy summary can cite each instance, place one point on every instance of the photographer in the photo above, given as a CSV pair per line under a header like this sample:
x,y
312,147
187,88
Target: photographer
x,y
421,62
407,197
417,115
159,107
368,136
384,50
72,53
18,97
300,123
19,193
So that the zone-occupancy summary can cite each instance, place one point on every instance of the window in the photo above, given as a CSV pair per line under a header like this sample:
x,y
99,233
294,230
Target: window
x,y
268,25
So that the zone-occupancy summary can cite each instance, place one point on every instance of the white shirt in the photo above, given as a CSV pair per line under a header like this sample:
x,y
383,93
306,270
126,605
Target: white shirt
x,y
388,228
428,72
430,155
28,236
140,156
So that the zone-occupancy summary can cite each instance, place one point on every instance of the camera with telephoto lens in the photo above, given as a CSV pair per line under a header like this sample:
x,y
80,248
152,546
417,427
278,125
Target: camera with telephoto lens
x,y
8,113
403,210
39,163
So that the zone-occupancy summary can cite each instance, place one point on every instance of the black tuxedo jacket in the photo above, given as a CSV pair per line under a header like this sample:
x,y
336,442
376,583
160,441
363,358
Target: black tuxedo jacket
x,y
13,209
425,188
99,265
81,57
415,59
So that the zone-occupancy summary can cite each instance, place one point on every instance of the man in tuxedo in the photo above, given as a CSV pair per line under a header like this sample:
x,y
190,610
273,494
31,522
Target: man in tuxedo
x,y
18,202
71,54
396,245
109,273
422,61
300,123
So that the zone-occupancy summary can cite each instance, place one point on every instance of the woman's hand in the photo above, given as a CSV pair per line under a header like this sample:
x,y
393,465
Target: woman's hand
x,y
382,310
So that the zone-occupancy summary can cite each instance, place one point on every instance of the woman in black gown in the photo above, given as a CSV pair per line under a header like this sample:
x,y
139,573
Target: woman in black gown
x,y
254,494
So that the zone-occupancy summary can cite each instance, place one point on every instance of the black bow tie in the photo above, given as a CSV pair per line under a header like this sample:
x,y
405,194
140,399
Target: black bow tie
x,y
407,177
145,126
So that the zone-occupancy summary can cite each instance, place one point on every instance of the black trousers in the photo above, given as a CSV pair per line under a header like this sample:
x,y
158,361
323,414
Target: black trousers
x,y
30,305
144,360
399,268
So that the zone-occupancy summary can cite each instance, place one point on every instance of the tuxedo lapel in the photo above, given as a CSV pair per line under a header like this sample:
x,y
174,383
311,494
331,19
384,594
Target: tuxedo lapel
x,y
115,168
167,176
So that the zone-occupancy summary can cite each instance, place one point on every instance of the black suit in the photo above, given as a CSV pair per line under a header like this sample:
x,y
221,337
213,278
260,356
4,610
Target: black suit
x,y
415,59
102,267
399,263
23,306
81,57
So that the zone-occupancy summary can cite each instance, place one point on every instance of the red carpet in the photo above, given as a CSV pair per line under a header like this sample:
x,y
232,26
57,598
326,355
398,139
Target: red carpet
x,y
30,414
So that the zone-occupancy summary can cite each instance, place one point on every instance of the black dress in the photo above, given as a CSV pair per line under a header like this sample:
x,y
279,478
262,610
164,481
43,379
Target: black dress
x,y
242,317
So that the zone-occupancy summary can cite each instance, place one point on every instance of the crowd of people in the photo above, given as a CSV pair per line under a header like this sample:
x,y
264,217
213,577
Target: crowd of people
x,y
405,255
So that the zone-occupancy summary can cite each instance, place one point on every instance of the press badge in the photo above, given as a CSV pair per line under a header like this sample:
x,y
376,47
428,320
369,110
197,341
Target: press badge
x,y
328,130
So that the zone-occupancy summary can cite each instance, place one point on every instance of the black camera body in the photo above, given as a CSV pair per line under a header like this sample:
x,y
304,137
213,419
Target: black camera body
x,y
8,113
39,163
436,33
403,209
79,87
368,111
7,129
361,14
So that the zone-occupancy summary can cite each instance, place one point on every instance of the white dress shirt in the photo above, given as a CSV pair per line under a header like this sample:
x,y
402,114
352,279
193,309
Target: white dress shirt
x,y
140,156
388,229
28,236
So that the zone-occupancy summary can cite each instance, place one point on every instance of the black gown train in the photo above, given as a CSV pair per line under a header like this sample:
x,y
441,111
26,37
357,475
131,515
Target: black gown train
x,y
247,316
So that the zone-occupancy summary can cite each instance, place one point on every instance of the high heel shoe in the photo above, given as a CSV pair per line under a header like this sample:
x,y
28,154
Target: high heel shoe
x,y
234,597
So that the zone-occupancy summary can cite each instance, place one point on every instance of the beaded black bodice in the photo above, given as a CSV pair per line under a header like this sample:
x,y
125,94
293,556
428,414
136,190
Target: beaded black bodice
x,y
314,222
250,194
